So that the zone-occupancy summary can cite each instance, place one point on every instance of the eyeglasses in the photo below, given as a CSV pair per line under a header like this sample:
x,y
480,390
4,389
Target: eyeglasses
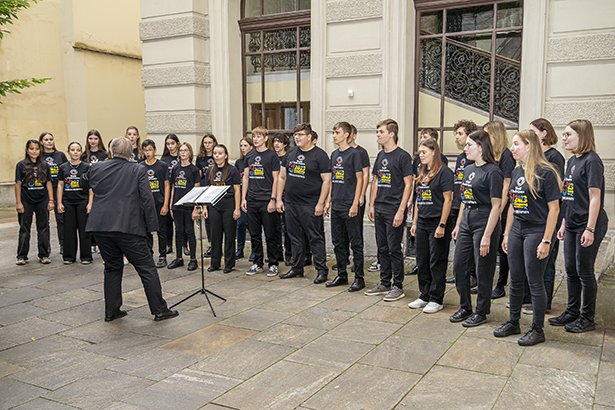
x,y
148,150
569,134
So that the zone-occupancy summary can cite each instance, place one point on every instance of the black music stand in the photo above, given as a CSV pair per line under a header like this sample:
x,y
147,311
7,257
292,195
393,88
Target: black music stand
x,y
199,197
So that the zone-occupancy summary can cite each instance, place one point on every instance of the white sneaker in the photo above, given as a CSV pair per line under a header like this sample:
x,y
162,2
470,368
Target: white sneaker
x,y
254,269
417,304
432,307
273,270
125,260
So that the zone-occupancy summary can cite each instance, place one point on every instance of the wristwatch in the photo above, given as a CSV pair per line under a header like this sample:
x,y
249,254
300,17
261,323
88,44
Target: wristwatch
x,y
441,225
272,198
592,230
545,241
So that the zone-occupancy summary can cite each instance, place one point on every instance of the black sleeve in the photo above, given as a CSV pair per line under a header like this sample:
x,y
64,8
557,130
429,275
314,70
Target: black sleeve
x,y
551,187
323,163
444,159
407,165
19,172
560,164
595,173
63,157
236,180
205,179
448,180
356,163
496,183
364,158
196,175
507,164
415,166
275,163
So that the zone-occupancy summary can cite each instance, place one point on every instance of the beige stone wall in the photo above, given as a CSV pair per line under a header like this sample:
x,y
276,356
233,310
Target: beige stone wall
x,y
93,54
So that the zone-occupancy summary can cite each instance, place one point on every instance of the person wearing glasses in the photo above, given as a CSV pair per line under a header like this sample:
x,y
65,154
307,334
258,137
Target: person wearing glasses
x,y
157,175
258,200
304,180
584,225
534,205
478,229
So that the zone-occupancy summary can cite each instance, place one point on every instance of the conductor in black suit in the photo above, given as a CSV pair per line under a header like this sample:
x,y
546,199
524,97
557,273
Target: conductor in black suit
x,y
123,211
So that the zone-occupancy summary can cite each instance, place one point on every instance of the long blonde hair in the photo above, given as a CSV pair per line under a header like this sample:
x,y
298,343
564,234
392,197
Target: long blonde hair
x,y
497,131
535,160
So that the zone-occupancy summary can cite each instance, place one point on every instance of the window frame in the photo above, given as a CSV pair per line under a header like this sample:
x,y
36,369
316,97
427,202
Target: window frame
x,y
424,6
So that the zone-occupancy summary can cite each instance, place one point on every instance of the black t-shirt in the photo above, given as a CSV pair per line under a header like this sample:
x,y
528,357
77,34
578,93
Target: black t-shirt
x,y
582,173
261,166
183,180
157,174
53,161
31,192
526,208
344,168
76,187
416,163
203,163
390,169
134,157
460,166
303,179
364,156
95,157
430,195
171,161
557,159
480,184
507,163
232,179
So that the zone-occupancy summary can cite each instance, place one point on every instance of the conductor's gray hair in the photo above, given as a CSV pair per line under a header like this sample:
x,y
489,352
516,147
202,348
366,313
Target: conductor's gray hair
x,y
121,148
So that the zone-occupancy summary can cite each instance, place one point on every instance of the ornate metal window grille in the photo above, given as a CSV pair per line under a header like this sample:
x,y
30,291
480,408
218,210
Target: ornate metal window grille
x,y
282,39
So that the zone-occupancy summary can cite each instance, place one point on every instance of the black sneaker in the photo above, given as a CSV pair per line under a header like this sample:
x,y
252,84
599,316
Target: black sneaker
x,y
162,262
563,319
460,315
580,325
192,265
498,293
475,319
507,329
532,337
176,263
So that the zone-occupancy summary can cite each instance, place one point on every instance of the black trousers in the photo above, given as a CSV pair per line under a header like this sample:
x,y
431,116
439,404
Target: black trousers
x,y
42,229
345,231
579,261
288,253
502,257
112,248
388,240
162,234
242,225
169,229
452,219
184,226
523,241
468,248
59,218
260,220
302,224
432,258
222,222
75,219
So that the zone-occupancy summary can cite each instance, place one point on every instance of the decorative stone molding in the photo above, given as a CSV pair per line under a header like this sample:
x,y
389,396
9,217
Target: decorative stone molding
x,y
175,75
599,112
362,119
353,10
594,47
193,25
358,64
178,122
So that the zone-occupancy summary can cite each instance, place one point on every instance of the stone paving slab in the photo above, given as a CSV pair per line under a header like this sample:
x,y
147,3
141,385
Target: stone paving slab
x,y
608,350
8,369
28,330
187,390
65,300
256,319
379,389
43,404
209,341
155,364
126,345
573,357
388,314
347,301
18,312
77,315
284,385
244,359
13,296
320,318
540,387
447,388
288,304
330,353
605,393
364,331
422,327
15,392
288,335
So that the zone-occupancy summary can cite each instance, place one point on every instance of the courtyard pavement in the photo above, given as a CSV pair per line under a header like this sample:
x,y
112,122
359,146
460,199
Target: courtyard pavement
x,y
274,344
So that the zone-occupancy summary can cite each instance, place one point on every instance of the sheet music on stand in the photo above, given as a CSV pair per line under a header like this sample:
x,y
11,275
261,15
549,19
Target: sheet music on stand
x,y
209,195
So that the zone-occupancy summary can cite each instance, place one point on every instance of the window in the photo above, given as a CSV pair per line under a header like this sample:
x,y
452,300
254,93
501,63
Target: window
x,y
468,63
276,63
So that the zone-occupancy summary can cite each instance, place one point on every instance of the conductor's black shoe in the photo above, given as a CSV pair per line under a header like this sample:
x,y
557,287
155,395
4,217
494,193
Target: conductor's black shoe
x,y
291,274
321,278
498,293
162,262
460,315
532,337
450,280
176,263
507,329
117,315
357,285
207,253
212,269
563,319
227,270
414,271
168,314
337,281
192,265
